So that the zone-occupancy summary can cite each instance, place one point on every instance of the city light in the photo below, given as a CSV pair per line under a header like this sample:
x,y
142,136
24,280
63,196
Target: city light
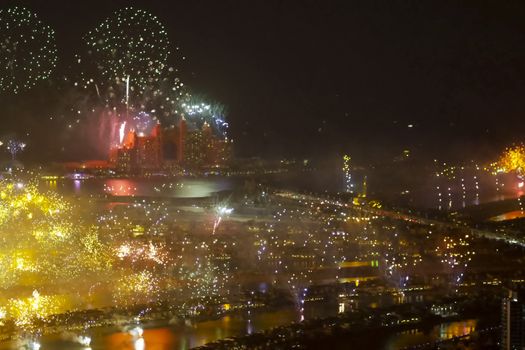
x,y
368,200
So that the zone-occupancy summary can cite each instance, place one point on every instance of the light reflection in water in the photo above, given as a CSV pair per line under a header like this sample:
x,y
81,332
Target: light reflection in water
x,y
120,187
78,185
413,337
200,333
456,329
249,327
123,187
151,339
140,344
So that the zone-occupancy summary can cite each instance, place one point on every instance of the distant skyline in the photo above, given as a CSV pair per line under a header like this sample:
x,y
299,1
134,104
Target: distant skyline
x,y
444,79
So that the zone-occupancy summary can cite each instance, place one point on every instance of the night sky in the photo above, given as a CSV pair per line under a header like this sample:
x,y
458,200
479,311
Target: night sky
x,y
322,78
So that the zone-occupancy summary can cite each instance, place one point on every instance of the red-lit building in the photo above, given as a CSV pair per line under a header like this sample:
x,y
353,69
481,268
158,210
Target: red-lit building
x,y
176,145
138,153
174,140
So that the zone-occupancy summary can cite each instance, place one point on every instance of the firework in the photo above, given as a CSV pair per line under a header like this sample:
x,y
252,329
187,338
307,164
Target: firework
x,y
513,159
102,112
136,288
40,237
129,49
120,73
348,186
14,147
198,111
143,123
220,212
122,258
142,252
37,306
163,100
121,82
28,52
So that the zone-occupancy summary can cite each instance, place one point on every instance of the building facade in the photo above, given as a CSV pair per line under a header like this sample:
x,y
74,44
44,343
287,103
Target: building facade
x,y
513,320
199,148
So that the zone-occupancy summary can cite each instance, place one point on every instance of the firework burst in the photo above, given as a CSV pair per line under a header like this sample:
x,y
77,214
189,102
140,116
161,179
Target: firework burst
x,y
513,159
130,50
28,52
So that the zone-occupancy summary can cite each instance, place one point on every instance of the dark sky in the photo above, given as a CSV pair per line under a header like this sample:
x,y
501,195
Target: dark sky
x,y
316,78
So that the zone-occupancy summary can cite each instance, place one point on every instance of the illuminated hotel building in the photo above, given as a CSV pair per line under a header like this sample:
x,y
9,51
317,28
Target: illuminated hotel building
x,y
221,151
125,160
197,148
149,150
174,140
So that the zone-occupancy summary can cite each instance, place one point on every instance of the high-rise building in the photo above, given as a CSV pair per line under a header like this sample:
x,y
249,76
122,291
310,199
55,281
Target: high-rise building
x,y
195,149
126,160
181,140
221,151
137,153
174,139
204,149
513,320
149,150
175,146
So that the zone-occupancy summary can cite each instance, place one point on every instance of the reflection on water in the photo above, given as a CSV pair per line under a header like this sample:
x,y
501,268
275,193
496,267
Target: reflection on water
x,y
511,215
152,339
169,337
174,188
120,187
444,196
444,331
186,337
456,329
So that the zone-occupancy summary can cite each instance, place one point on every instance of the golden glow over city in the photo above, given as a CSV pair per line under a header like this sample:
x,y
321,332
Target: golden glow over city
x,y
513,159
368,199
36,306
47,244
